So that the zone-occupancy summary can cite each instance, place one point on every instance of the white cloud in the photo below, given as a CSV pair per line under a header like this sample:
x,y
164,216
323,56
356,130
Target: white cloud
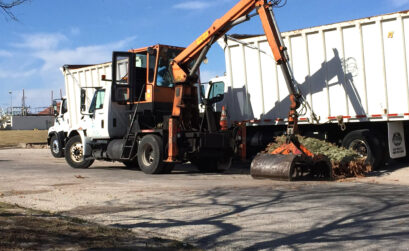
x,y
194,5
41,41
54,59
41,97
16,74
37,60
206,75
198,4
75,31
4,53
399,3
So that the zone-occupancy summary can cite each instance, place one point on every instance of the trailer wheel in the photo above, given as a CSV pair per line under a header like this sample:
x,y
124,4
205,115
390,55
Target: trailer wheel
x,y
150,154
74,153
56,147
368,145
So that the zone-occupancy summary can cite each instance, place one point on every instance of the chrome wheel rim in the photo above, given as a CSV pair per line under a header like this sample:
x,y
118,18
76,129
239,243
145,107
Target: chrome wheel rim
x,y
147,156
55,146
76,152
360,147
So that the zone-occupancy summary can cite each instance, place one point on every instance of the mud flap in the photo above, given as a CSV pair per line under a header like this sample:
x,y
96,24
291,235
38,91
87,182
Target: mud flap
x,y
396,140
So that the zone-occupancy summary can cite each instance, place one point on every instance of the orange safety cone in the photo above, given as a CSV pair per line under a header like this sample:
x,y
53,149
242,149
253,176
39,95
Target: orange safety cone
x,y
223,119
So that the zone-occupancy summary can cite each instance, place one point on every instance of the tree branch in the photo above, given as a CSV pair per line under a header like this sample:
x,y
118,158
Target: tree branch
x,y
6,7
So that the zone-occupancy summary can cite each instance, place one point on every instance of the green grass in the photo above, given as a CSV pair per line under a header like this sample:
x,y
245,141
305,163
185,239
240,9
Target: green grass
x,y
10,138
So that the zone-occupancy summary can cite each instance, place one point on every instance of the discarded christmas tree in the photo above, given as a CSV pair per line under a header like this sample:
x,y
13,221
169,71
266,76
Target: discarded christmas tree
x,y
345,162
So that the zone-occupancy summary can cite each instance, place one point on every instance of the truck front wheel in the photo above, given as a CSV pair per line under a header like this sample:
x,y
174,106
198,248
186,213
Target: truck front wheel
x,y
56,147
150,154
368,145
74,153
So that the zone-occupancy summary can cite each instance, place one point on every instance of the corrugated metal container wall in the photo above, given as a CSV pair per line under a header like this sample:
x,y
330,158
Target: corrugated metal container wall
x,y
75,79
356,69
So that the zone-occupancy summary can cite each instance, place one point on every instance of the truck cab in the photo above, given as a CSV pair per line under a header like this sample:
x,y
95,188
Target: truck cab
x,y
57,133
126,118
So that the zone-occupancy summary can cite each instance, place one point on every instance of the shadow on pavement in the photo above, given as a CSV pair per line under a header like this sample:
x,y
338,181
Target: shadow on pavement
x,y
294,216
389,168
237,168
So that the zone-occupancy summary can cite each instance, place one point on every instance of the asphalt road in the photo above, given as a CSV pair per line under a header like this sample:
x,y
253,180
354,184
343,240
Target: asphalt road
x,y
229,211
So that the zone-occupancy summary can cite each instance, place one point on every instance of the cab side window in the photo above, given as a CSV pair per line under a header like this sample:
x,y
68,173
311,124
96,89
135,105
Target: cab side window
x,y
97,101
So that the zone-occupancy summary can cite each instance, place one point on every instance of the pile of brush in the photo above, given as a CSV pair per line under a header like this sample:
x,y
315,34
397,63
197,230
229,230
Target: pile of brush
x,y
345,162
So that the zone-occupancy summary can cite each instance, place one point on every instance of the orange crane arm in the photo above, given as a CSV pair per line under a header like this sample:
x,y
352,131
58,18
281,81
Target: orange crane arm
x,y
184,74
238,14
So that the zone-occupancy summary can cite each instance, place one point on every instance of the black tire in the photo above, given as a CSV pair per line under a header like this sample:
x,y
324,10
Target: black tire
x,y
56,147
131,164
150,154
367,144
74,155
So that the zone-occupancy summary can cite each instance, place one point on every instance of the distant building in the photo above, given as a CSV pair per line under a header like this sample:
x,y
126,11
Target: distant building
x,y
30,122
46,111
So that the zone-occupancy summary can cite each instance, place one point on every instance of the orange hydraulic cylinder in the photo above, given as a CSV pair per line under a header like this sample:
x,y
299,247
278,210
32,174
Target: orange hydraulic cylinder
x,y
173,150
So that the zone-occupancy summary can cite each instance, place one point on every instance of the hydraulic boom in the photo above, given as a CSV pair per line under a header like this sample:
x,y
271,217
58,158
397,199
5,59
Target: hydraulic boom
x,y
185,66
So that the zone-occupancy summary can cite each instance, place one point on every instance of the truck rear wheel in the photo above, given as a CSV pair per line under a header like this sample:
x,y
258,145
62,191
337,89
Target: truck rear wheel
x,y
74,153
368,145
56,147
150,154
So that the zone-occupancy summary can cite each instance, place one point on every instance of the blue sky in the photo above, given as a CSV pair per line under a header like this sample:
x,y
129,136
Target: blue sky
x,y
51,33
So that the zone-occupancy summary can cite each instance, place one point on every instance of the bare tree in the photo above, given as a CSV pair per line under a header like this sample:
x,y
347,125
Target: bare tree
x,y
6,6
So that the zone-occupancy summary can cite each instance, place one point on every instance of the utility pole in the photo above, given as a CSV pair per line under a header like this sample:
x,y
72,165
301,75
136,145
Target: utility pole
x,y
23,104
52,99
11,102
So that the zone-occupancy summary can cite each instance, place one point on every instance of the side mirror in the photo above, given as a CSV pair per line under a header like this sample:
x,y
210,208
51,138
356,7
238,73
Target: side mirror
x,y
55,108
63,106
83,98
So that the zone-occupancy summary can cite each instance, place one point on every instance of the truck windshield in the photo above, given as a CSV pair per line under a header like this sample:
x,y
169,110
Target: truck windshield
x,y
97,101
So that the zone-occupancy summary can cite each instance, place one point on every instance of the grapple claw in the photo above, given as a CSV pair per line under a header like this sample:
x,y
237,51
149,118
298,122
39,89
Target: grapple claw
x,y
290,167
274,166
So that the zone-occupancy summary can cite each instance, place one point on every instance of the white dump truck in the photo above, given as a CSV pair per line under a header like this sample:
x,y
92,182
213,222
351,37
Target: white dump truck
x,y
353,76
68,116
111,114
